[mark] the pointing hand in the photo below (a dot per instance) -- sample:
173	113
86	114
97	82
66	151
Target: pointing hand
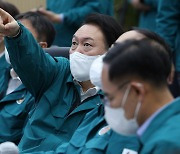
8	25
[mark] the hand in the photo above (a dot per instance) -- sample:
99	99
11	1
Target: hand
139	5
8	25
55	18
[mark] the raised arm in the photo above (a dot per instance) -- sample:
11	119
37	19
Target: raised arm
36	69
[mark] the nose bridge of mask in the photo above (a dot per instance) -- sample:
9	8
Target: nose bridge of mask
79	55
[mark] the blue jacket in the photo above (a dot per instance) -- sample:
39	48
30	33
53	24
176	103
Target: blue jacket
4	76
49	80
163	133
74	13
14	109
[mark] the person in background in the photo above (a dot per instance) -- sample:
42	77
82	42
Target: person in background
147	13
61	87
138	100
4	66
15	107
167	21
41	28
68	16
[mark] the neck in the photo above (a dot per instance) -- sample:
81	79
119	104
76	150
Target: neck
86	85
154	101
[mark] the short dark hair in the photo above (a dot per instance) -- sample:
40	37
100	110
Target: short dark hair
41	24
10	8
110	28
145	59
154	36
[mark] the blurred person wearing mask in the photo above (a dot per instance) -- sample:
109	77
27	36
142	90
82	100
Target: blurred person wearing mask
68	16
62	89
18	102
4	66
138	100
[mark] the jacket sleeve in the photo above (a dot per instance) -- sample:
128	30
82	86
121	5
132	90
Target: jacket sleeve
35	68
75	16
167	20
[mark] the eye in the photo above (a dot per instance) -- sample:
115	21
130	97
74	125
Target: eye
87	45
74	45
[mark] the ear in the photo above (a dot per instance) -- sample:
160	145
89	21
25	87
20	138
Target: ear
139	89
43	44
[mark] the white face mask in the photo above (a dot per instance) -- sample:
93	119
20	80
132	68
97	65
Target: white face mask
80	65
7	56
115	117
96	71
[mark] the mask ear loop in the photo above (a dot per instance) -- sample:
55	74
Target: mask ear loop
125	95
138	105
137	110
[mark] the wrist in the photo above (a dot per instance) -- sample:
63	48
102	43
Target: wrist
17	34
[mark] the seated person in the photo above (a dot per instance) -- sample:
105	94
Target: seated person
62	89
134	78
94	135
16	105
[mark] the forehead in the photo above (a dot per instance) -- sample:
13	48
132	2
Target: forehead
89	31
130	35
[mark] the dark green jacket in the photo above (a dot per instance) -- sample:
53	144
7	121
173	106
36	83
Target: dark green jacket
163	133
147	19
49	80
74	12
87	138
168	26
4	76
14	109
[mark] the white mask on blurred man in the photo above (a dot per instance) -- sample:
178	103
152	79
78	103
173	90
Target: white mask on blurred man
96	71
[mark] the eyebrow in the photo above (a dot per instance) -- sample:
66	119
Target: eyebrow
85	38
